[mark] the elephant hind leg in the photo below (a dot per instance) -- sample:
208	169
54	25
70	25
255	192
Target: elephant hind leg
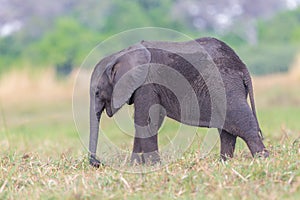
244	125
227	144
255	144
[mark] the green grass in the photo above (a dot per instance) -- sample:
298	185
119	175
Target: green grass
276	121
41	157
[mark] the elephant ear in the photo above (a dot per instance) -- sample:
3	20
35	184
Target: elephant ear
127	72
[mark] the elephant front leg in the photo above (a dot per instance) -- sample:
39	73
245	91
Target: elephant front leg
148	117
145	150
227	144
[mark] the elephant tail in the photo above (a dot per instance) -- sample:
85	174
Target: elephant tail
249	89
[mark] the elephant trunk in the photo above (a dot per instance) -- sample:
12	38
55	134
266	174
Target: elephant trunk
95	115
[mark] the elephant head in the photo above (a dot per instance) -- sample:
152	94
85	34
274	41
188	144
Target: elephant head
113	82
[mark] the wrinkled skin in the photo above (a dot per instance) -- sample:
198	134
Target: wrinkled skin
239	118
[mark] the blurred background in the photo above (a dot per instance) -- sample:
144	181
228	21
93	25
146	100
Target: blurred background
61	33
43	43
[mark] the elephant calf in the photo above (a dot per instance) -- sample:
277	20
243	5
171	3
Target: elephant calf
200	83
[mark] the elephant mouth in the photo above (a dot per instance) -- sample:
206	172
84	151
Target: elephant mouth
108	110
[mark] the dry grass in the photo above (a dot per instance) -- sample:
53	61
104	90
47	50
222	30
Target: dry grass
41	156
29	86
279	89
295	69
33	176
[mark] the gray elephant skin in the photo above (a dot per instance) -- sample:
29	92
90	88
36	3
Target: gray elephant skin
211	91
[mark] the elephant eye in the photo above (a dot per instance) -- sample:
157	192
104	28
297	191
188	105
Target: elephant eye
97	94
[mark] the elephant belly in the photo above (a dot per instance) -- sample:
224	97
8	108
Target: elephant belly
190	110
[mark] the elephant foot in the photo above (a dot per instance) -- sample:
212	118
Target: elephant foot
150	158
137	159
262	154
257	148
94	162
225	157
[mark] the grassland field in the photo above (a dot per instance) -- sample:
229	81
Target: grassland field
41	156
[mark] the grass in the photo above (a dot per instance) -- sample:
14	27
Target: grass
41	157
31	175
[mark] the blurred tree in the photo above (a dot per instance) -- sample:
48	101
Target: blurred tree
140	13
10	52
282	28
61	33
34	16
92	13
296	34
238	16
66	44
